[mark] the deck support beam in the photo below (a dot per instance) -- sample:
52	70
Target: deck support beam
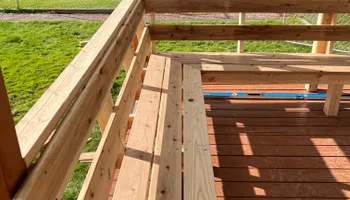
240	44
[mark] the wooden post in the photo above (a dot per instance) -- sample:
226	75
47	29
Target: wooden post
105	112
12	166
153	43
332	103
240	46
322	46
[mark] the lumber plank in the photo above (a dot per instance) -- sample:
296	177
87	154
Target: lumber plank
258	58
227	78
282	162
153	22
290	190
130	53
42	118
240	43
279	140
87	157
282	6
70	138
112	145
105	112
324	47
4	190
273	150
198	170
331	106
250	32
166	178
134	173
282	175
11	162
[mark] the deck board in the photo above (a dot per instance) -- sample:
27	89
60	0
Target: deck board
278	149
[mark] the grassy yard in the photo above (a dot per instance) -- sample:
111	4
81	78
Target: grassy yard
11	4
33	54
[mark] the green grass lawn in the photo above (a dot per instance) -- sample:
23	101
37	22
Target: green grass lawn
11	4
33	54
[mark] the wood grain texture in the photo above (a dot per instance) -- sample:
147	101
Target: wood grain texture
58	161
265	77
198	171
258	58
112	142
4	190
12	166
250	32
134	174
240	44
282	6
334	94
43	117
105	112
166	179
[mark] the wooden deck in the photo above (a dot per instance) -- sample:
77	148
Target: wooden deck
278	149
259	148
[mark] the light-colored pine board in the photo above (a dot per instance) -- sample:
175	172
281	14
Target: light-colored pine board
112	145
251	68
332	103
258	58
135	170
282	6
166	179
240	44
11	162
130	53
250	32
153	22
87	157
58	161
198	170
43	117
105	112
323	47
269	77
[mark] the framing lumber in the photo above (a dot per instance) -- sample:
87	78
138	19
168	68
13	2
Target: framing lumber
134	173
282	6
226	78
130	53
68	142
250	32
105	112
240	44
87	157
324	47
12	166
198	169
153	22
332	103
259	58
42	118
166	179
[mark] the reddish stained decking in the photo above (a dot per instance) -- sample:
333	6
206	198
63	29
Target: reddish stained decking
278	149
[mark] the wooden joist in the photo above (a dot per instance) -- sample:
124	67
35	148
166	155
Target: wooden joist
281	6
57	162
112	142
166	179
105	112
240	43
134	173
43	117
12	166
198	169
87	157
334	93
250	32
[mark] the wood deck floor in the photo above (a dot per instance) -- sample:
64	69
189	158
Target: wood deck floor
277	149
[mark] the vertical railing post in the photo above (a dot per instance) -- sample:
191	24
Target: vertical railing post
153	43
240	45
12	166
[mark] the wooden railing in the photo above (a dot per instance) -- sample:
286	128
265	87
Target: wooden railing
65	115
